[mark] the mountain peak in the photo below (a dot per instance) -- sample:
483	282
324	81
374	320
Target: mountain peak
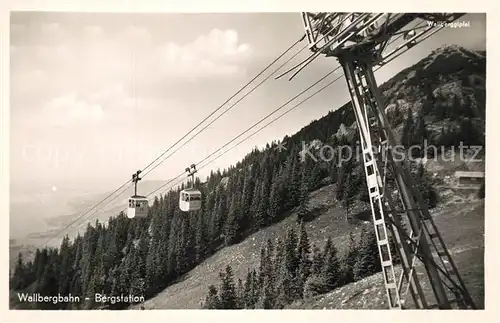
450	50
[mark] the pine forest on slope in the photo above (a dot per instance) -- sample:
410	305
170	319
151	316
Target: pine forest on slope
441	100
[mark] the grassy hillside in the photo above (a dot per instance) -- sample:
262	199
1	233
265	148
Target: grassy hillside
466	245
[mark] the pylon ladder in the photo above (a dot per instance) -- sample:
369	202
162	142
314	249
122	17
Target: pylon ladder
413	205
378	198
373	181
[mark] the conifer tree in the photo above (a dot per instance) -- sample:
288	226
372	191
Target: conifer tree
368	259
275	198
65	270
303	252
18	280
318	260
279	259
262	265
248	291
286	289
303	196
268	265
245	216
227	291
406	139
48	286
267	298
349	260
327	276
231	227
201	238
212	300
258	220
331	269
262	214
256	288
293	180
240	295
349	193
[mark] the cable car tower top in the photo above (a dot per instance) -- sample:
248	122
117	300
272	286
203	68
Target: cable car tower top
360	41
365	36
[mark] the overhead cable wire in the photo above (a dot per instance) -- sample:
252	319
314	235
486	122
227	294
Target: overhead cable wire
183	137
178	176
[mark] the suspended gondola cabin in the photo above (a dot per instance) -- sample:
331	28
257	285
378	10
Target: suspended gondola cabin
137	204
190	200
137	207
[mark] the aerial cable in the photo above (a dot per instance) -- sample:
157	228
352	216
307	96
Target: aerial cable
230	98
235	103
276	119
224	145
187	134
249	129
251	135
272	121
245	139
206	118
258	122
229	108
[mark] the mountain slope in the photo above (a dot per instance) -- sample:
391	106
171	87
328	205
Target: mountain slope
448	74
263	196
466	245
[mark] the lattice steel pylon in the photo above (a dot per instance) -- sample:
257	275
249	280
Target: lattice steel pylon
360	42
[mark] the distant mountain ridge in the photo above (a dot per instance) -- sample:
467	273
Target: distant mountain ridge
80	204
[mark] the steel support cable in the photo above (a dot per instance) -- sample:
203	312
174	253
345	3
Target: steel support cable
216	119
258	122
187	134
206	118
225	102
248	137
286	103
229	108
253	126
239	100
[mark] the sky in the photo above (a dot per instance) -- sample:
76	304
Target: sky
96	96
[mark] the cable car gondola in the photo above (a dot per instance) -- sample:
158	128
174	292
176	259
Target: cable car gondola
137	204
190	198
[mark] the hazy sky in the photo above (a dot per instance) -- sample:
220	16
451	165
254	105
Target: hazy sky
83	112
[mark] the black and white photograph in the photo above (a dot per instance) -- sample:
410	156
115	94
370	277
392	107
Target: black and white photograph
247	160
